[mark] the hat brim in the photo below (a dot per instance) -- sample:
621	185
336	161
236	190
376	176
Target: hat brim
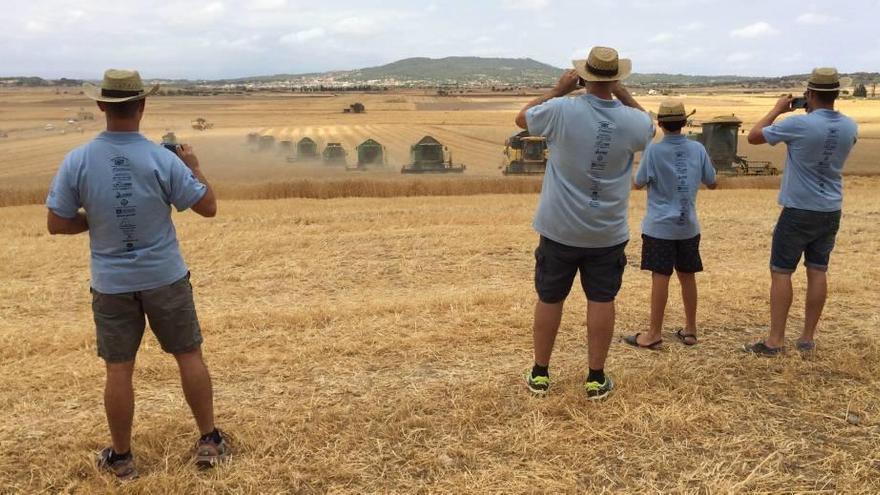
843	82
624	69
94	93
678	117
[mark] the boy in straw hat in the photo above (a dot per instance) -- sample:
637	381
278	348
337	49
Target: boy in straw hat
126	185
811	196
672	170
582	214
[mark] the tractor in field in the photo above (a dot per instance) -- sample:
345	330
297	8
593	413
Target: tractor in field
525	155
253	138
201	124
355	108
720	136
306	149
428	156
334	154
369	154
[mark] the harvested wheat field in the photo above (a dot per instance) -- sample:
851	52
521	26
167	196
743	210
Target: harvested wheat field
375	341
473	127
377	345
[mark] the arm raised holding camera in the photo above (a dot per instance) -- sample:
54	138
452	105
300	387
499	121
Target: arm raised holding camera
783	105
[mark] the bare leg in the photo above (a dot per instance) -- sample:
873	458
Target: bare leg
659	295
119	404
817	291
547	320
600	329
689	298
780	303
196	383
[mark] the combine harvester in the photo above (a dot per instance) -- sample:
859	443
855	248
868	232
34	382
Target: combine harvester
201	124
720	136
369	154
428	156
525	155
306	150
334	154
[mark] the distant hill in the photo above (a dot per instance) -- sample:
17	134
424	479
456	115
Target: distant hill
463	71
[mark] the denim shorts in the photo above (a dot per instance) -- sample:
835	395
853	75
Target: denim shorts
120	320
803	232
556	266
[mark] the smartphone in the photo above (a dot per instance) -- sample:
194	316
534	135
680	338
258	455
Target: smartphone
171	147
581	82
797	103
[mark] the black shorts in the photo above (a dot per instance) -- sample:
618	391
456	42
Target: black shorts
803	232
557	264
120	320
662	255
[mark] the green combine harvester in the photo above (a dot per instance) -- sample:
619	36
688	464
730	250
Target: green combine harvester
370	154
428	156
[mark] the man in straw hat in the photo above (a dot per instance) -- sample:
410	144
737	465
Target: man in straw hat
672	170
811	197
582	215
126	185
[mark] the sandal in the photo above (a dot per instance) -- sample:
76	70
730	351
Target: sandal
683	337
761	349
633	340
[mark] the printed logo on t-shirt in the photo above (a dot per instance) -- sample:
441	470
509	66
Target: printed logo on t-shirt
125	211
603	142
828	149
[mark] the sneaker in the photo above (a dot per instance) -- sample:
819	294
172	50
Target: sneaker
598	391
538	385
210	453
123	469
761	349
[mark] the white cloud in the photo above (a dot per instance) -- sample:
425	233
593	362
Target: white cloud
34	26
303	36
482	40
359	26
213	8
526	4
662	37
813	18
758	29
739	57
693	26
266	4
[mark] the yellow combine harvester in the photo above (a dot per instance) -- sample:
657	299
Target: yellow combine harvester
525	155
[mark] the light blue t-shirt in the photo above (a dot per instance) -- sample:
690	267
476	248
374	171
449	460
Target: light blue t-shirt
585	195
673	170
127	184
818	145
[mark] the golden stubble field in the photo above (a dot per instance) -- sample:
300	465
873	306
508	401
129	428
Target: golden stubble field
473	127
377	345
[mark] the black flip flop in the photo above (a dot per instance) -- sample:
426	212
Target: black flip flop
633	340
683	337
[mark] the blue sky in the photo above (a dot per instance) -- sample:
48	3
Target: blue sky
230	38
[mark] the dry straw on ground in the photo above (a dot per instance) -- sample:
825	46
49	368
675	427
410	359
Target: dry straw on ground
377	346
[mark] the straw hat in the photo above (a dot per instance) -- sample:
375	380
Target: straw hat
672	111
824	79
119	86
603	65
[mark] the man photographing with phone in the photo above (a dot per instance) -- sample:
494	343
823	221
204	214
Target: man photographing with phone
126	186
811	196
582	214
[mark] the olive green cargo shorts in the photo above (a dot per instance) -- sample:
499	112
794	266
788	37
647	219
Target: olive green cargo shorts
120	320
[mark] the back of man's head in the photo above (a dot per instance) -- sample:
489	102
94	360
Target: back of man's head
124	110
